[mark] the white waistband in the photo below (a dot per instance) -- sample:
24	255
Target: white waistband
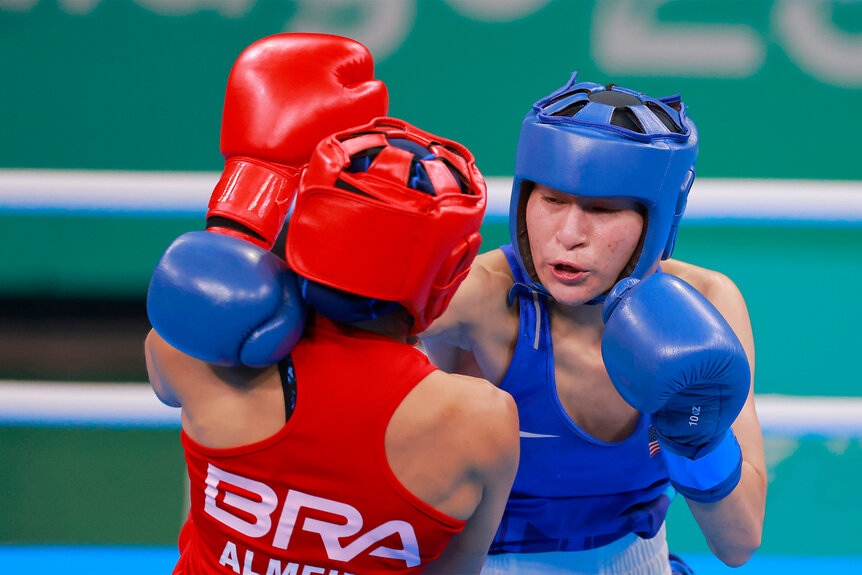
631	555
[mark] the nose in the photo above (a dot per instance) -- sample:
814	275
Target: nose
573	230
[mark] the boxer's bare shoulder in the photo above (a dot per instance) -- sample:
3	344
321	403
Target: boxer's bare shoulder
453	442
722	292
710	283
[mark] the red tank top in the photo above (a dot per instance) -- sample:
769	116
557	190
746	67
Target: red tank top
318	497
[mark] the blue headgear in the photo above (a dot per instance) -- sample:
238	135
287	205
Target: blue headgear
606	141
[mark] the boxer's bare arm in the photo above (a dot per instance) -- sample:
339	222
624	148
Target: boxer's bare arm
446	341
453	442
732	526
469	307
452	359
221	407
477	322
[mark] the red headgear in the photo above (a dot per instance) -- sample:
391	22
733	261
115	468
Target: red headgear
376	219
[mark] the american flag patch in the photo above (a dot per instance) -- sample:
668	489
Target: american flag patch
652	437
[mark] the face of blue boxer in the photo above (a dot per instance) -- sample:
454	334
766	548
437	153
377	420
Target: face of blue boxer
598	141
580	245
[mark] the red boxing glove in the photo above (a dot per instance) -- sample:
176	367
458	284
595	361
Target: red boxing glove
285	94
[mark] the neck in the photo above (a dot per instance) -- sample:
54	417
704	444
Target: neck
581	316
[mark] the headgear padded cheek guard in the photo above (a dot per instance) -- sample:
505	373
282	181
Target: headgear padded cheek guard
606	141
390	213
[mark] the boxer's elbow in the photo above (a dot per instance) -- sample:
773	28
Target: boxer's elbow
734	526
160	388
738	557
165	395
735	553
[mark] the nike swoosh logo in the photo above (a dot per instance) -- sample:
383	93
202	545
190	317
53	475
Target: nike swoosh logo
528	434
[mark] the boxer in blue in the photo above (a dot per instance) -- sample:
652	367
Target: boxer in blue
632	379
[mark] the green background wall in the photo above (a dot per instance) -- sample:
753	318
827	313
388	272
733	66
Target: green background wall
123	84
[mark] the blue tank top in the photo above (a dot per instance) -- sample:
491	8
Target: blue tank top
572	491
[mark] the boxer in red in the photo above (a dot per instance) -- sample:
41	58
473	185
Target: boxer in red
318	440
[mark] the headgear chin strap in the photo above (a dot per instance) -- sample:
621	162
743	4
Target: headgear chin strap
390	213
606	141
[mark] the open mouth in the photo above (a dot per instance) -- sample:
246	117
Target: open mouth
568	273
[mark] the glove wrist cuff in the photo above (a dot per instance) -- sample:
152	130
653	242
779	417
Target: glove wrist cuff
710	477
255	194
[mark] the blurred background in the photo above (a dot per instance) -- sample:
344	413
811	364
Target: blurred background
110	113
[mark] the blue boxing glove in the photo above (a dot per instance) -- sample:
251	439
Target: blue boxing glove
225	301
670	353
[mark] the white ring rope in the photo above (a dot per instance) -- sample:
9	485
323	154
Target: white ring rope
42	404
110	191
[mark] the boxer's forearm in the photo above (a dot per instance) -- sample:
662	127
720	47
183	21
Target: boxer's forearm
733	526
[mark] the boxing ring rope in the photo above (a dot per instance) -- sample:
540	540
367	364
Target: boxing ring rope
134	405
161	194
158	193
